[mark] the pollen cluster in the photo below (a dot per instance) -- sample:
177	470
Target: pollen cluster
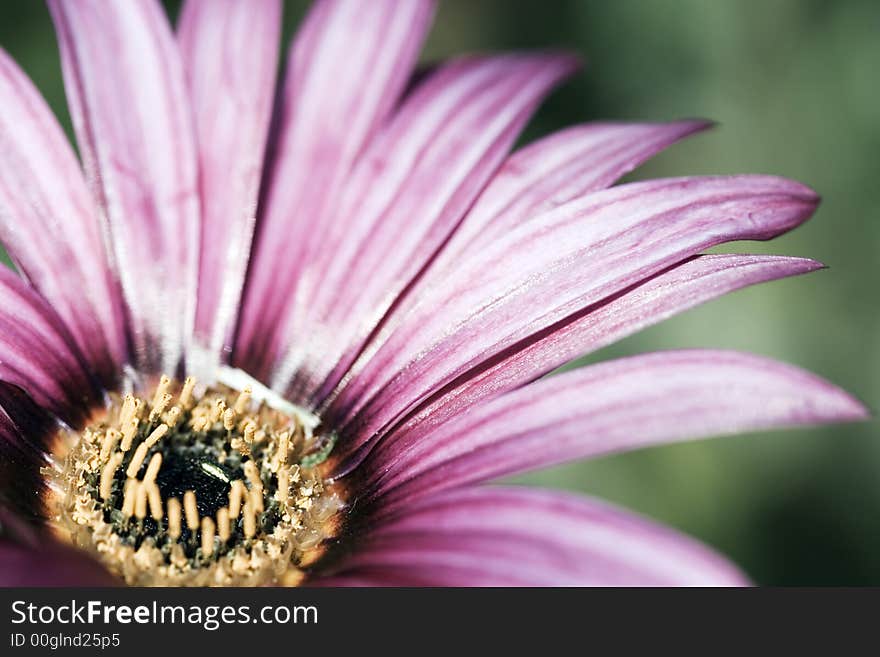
188	487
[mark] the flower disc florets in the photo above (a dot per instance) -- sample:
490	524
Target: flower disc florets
190	487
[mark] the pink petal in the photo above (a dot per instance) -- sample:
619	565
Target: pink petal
49	225
38	353
362	580
406	196
543	175
558	169
230	52
552	267
346	70
25	432
50	565
31	557
22	421
650	302
619	405
537	178
126	92
522	537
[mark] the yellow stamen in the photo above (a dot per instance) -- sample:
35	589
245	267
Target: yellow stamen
235	494
174	518
178	556
256	500
128	434
244	399
107	475
153	468
186	393
128	497
127	411
207	536
240	446
156	435
108	445
161	391
217	410
283	446
250	471
250	520
283	485
249	430
223	523
160	407
172	417
229	419
140	501
137	460
155	499
191	510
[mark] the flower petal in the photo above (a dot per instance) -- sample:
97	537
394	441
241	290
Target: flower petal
406	195
521	537
49	566
346	70
23	418
126	92
552	267
25	429
557	169
614	406
30	557
49	224
541	176
662	296
39	354
230	52
363	580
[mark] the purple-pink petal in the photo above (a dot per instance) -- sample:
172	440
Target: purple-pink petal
25	432
618	405
345	73
31	557
24	422
49	566
662	296
49	223
363	579
543	175
38	353
406	195
130	110
230	53
521	537
557	169
550	268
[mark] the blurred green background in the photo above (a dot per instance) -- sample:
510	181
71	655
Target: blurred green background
793	85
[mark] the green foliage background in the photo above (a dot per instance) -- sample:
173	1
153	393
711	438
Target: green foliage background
793	84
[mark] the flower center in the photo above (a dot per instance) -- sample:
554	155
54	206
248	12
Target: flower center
190	487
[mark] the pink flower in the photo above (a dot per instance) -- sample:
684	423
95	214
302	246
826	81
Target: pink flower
367	289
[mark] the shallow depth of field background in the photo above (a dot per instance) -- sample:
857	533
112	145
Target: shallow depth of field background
793	85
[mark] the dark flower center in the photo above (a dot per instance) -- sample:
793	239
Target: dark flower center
201	487
201	471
